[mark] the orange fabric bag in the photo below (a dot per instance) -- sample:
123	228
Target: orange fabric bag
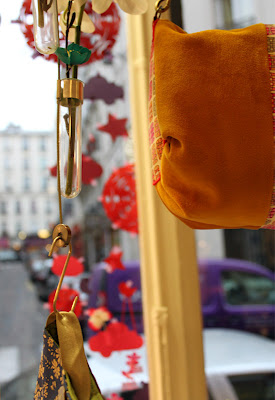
211	125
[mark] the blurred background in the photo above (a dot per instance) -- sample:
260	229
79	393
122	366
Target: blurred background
236	266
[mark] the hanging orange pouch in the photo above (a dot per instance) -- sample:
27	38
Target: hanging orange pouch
211	124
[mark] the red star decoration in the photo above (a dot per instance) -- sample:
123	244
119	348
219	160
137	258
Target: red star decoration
115	127
114	259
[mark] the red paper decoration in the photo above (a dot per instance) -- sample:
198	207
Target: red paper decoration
100	42
91	170
119	199
75	267
116	337
133	366
65	301
113	261
115	127
127	289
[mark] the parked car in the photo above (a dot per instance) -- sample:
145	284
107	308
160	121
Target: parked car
235	294
9	255
239	365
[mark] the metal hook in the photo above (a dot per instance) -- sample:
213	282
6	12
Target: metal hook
61	238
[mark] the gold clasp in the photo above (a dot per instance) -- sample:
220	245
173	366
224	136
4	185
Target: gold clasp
161	8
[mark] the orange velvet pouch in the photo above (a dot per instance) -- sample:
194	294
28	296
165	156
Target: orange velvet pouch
211	125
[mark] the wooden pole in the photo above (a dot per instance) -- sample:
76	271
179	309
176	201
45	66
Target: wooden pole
170	283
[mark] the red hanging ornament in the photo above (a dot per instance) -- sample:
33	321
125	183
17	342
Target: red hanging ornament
119	199
75	267
91	170
127	290
116	337
65	301
100	42
115	127
113	261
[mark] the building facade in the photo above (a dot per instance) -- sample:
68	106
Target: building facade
28	201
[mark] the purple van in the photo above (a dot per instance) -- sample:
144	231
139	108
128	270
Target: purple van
234	293
237	294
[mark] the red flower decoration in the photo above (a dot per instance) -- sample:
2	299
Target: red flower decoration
114	259
115	127
65	300
119	199
127	289
75	267
91	170
103	38
117	336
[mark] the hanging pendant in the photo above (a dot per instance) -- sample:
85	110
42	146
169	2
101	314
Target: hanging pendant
70	136
45	26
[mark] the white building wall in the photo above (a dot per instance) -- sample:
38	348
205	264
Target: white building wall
18	166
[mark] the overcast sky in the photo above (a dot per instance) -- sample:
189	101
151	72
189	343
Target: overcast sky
27	86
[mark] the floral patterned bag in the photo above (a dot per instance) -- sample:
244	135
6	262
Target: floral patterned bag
64	373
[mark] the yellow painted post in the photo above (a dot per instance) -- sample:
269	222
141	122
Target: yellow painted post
170	284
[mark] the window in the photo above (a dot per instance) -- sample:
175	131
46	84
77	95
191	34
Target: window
3	207
33	207
4	227
42	144
44	183
243	288
26	183
254	387
7	163
17	207
48	206
26	164
25	143
18	227
43	163
7	143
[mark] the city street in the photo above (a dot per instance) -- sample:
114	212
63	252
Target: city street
22	320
